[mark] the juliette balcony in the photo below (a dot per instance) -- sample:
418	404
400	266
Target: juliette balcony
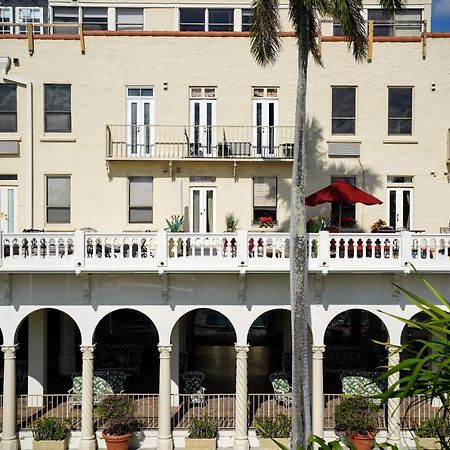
220	252
129	142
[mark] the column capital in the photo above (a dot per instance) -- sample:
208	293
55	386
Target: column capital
88	351
317	351
241	350
10	351
164	350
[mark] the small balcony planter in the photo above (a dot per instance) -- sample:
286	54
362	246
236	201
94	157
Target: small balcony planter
50	433
427	443
202	434
272	429
269	444
428	431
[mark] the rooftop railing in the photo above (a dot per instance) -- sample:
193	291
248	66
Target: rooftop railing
257	251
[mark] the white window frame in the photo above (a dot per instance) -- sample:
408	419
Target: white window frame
412	111
3	28
69	207
151	200
23	29
236	26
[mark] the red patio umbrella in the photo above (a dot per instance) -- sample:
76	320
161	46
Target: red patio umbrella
343	193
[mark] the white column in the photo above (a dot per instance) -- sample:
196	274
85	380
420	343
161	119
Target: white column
67	358
9	437
165	440
241	433
37	357
317	389
394	417
88	440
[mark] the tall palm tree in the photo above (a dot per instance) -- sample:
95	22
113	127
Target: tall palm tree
305	17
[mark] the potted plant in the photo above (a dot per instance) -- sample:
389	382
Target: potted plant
231	222
50	433
428	432
175	223
116	414
266	222
202	434
380	225
356	418
271	429
316	224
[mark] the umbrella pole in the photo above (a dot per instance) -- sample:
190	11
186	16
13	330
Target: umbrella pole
340	216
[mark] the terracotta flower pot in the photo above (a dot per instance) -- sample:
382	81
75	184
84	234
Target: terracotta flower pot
362	441
117	442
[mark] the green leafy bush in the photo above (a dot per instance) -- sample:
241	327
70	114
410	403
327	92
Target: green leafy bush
317	224
175	223
116	414
50	429
273	427
433	428
204	428
356	415
231	222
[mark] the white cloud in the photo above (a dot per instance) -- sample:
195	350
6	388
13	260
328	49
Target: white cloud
441	7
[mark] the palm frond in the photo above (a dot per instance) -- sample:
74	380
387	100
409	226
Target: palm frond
392	5
265	40
349	14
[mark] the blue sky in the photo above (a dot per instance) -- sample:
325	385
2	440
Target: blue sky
440	20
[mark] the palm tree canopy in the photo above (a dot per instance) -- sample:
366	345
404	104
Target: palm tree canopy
266	25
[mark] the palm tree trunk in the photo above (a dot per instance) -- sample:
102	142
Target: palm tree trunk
301	399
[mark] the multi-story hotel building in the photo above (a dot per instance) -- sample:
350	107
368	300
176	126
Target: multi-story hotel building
114	116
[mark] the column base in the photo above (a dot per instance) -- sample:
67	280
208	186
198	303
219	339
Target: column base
164	443
241	444
88	444
9	444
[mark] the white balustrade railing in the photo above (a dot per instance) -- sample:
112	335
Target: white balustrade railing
254	251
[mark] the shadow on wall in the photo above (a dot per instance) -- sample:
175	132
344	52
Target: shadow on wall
320	168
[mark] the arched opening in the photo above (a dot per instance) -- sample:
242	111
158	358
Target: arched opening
350	347
270	351
205	340
411	333
126	351
48	354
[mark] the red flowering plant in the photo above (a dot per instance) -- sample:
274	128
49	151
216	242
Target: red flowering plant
116	414
348	222
266	222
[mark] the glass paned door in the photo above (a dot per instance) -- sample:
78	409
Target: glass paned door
8	209
400	208
203	210
265	122
140	122
202	136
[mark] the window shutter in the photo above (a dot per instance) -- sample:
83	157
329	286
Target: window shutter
141	191
265	192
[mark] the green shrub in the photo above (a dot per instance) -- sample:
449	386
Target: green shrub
433	428
204	428
116	414
273	427
50	429
356	415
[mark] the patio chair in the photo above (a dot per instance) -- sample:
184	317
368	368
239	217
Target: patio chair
193	385
361	383
281	388
100	388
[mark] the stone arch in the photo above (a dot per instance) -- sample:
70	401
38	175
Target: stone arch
270	348
48	353
350	346
203	340
410	333
127	342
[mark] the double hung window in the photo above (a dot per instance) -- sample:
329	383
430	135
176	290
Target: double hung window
57	106
343	115
264	198
8	108
400	110
206	19
129	19
58	199
140	200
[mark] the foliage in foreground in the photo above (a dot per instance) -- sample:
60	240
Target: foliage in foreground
273	427
203	428
427	372
50	429
356	415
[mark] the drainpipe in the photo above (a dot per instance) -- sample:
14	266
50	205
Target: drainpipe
5	64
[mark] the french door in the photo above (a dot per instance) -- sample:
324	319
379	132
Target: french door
140	122
265	121
8	209
400	208
202	210
202	135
